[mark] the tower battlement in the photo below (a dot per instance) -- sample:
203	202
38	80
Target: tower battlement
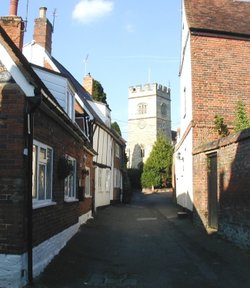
149	87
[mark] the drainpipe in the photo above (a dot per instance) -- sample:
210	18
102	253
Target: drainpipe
32	105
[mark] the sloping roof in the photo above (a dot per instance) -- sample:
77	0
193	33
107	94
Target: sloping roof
228	16
22	63
28	72
85	97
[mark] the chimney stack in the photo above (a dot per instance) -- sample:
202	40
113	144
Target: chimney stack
13	25
42	12
13	7
43	30
88	83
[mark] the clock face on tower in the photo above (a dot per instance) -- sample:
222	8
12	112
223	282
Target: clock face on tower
141	124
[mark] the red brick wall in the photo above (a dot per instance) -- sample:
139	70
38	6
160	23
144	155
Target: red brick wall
220	77
49	221
12	169
233	154
43	33
14	27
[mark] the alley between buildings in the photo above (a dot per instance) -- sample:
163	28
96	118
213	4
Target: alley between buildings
145	245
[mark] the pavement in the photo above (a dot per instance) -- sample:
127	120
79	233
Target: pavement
145	245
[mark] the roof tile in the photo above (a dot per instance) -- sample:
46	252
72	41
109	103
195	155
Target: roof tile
230	16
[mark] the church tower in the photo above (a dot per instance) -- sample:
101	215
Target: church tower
149	113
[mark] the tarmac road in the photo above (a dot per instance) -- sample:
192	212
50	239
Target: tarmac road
145	245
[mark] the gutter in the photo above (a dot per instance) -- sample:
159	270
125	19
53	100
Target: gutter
219	34
32	104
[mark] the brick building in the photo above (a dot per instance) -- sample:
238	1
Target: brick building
108	177
49	125
214	76
46	163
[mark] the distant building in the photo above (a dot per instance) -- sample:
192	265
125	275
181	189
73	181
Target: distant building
149	113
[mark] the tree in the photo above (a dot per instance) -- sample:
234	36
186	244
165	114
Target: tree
116	127
157	168
98	93
242	121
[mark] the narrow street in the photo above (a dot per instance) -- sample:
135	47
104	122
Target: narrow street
145	245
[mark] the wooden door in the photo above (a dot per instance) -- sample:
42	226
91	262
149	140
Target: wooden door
212	192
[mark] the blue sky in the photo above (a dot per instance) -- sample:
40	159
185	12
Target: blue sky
125	42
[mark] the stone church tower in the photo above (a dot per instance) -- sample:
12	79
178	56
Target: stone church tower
149	113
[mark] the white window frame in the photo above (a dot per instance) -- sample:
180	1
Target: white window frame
87	183
70	183
36	170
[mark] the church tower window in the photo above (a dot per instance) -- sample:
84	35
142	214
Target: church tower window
142	108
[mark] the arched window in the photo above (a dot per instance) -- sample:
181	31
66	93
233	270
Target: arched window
163	109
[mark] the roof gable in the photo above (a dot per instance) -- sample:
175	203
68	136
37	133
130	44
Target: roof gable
229	16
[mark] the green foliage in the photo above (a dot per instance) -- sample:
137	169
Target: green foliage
157	168
98	92
242	121
116	127
220	127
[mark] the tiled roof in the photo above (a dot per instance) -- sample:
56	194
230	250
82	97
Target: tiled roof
229	16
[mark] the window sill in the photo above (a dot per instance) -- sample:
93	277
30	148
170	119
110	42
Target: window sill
42	204
71	200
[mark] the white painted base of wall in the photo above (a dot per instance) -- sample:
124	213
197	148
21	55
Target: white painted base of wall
13	268
84	218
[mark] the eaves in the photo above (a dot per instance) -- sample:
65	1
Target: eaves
219	34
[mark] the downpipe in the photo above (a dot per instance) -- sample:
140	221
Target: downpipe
31	107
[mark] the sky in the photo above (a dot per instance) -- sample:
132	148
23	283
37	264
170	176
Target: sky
121	43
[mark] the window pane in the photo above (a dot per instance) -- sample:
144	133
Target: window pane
49	174
42	154
69	183
71	186
66	187
87	184
107	180
41	189
34	172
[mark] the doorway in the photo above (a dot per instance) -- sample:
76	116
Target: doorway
212	191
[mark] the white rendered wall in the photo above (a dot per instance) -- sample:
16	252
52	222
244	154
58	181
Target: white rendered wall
185	79
37	55
183	153
184	173
13	268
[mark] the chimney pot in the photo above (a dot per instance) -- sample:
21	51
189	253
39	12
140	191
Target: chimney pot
42	12
13	7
